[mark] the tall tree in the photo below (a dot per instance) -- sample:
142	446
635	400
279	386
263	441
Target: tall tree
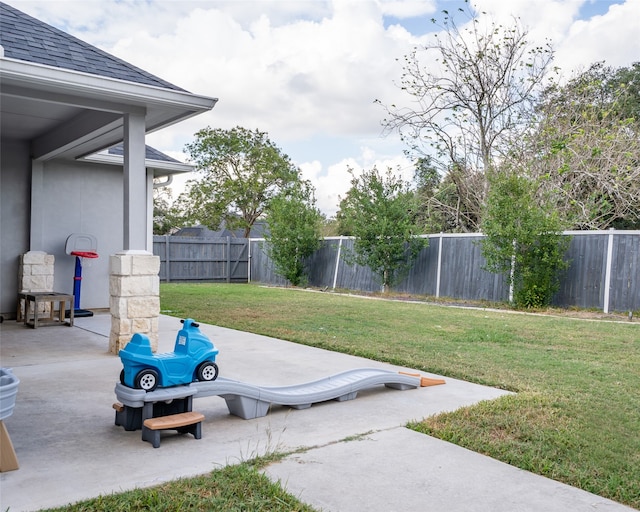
585	150
380	212
242	171
468	108
294	225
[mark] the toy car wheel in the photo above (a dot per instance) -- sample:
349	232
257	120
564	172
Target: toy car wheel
147	380
208	371
122	377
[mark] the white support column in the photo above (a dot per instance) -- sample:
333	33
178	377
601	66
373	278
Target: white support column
135	183
134	285
149	210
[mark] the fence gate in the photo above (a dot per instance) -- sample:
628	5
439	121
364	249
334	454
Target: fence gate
224	259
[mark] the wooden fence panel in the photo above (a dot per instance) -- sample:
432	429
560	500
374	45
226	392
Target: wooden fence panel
423	275
582	284
625	272
322	264
463	274
604	270
261	267
202	259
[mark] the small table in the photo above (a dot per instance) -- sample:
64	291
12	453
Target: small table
37	298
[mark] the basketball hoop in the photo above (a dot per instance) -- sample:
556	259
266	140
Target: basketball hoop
85	254
82	246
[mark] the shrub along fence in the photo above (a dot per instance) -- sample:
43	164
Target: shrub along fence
604	270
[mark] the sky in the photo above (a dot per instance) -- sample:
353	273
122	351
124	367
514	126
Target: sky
308	72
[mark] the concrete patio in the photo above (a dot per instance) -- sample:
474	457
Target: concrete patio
359	455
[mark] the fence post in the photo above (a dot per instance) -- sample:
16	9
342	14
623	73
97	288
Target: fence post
249	260
335	273
607	272
167	266
228	259
439	267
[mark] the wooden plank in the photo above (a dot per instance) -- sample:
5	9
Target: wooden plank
174	420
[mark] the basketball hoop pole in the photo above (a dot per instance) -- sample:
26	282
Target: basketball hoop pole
77	282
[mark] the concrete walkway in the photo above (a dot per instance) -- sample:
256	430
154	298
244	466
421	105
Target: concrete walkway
358	455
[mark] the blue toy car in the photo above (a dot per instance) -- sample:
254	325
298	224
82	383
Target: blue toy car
193	358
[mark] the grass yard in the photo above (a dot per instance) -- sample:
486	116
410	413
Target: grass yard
576	417
233	488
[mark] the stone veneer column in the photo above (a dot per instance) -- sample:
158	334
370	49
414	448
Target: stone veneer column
36	275
134	289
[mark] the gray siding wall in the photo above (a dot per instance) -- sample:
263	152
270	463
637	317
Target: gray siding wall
42	203
15	208
79	197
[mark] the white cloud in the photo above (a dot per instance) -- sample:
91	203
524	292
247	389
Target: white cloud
308	71
403	9
332	184
612	37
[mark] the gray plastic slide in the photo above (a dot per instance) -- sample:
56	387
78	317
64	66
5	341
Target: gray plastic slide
249	401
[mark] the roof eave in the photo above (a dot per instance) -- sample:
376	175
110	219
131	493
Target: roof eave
159	167
70	82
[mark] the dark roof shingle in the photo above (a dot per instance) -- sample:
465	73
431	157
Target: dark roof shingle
150	154
26	38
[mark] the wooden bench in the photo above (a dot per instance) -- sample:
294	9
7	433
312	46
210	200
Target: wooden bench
184	422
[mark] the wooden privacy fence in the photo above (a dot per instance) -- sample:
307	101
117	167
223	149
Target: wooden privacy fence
223	259
604	271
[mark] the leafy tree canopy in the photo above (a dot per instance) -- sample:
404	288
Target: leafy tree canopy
585	150
294	231
379	211
166	218
242	171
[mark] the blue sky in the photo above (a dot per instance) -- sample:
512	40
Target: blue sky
307	72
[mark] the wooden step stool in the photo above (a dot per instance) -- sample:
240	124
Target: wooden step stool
184	422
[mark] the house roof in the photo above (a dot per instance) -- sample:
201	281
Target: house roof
69	99
28	39
258	230
150	154
162	165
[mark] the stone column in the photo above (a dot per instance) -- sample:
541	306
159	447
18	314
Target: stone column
36	275
134	289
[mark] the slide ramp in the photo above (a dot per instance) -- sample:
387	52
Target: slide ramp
249	401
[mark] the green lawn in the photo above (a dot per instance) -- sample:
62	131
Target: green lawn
576	415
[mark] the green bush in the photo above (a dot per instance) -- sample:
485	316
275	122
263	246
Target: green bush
523	240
